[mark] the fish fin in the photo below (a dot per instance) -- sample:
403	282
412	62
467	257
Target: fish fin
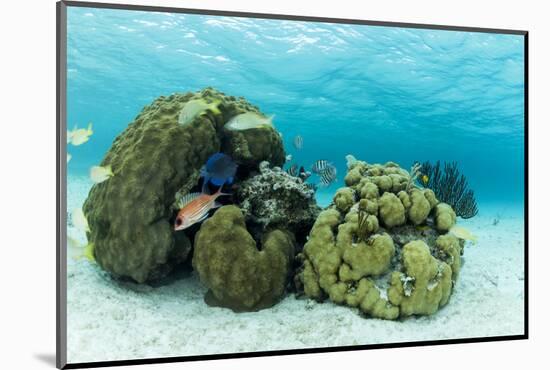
90	131
214	108
219	192
205	181
186	199
270	119
89	252
217	205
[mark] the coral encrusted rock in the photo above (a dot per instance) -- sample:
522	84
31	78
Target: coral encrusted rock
275	199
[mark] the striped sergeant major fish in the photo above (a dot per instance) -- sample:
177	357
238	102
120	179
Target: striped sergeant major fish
293	170
320	166
298	142
328	176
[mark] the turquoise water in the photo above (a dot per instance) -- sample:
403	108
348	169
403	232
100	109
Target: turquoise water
379	93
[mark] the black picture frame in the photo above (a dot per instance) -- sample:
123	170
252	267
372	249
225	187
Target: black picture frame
61	188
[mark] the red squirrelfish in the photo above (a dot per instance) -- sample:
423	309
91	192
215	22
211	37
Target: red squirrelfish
194	207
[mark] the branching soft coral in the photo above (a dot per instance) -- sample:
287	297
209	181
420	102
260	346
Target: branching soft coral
451	187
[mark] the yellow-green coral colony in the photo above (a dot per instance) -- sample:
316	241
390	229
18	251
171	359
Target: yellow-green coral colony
384	246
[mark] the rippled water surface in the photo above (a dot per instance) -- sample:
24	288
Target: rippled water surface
379	93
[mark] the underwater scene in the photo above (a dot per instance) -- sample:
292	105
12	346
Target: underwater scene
243	184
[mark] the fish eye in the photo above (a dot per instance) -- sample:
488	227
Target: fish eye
178	222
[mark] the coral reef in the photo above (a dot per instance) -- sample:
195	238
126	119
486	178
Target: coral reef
275	199
157	160
382	246
451	187
240	276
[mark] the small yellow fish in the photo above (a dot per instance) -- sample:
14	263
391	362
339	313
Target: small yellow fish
77	250
249	120
74	247
69	157
79	220
194	108
89	252
99	174
424	179
79	136
463	233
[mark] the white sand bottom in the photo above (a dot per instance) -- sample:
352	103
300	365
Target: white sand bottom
110	320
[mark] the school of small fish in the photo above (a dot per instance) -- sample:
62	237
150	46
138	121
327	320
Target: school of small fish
324	169
79	136
75	249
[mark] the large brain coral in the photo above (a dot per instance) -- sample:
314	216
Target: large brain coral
228	262
158	156
382	246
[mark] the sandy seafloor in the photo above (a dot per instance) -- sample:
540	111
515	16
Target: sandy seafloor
110	320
